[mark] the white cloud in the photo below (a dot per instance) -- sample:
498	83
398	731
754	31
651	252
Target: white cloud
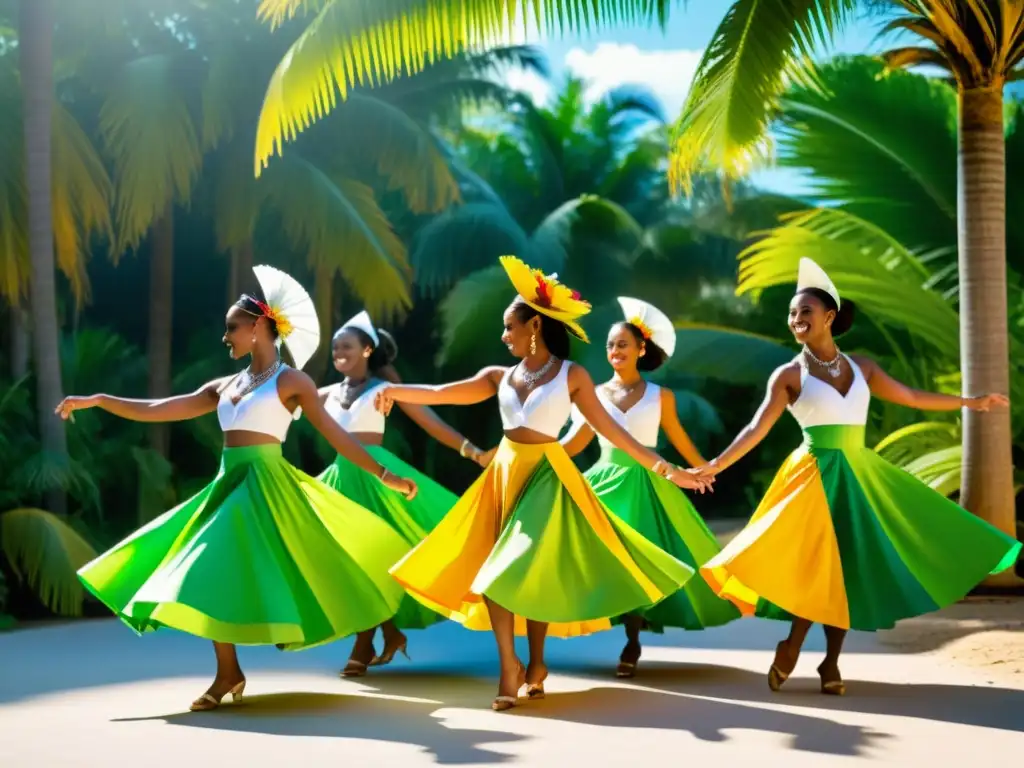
667	73
530	83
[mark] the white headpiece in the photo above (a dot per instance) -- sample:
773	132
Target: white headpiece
363	322
651	321
812	276
292	311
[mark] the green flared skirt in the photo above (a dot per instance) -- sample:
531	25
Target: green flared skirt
845	539
661	513
531	536
412	520
263	555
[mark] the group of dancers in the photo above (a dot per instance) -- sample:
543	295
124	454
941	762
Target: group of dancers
267	555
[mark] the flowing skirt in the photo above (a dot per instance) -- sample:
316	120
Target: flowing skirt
412	520
531	536
263	555
662	514
844	538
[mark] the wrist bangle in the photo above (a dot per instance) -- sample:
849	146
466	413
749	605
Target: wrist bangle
462	448
383	473
656	469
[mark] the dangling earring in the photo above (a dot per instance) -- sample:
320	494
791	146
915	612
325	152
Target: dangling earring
533	344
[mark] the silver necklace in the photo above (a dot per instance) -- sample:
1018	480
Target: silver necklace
252	382
614	386
530	378
831	366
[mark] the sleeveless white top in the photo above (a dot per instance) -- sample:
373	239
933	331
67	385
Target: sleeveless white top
546	408
361	416
821	404
258	411
642	420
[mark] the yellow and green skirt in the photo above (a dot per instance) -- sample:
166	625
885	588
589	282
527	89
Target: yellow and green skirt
263	555
531	536
662	514
845	539
412	520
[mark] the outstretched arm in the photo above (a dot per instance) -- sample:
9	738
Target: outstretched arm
782	382
178	408
296	384
885	387
583	395
434	425
675	432
466	392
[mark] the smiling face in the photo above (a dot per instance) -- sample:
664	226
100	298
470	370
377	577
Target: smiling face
518	335
623	349
809	318
239	329
349	354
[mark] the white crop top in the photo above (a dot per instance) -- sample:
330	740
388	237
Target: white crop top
546	408
360	416
642	420
820	403
258	411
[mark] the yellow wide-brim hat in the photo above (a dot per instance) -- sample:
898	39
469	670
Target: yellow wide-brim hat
546	295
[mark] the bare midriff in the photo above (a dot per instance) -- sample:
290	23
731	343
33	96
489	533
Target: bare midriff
527	436
240	438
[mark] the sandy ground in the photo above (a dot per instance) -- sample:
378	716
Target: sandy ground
91	693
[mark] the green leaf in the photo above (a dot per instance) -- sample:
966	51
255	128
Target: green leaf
726	354
46	552
347	44
725	121
471	317
870	268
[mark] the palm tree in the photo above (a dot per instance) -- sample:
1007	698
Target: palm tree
757	49
36	46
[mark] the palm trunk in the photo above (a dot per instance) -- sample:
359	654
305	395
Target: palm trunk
987	483
36	50
161	320
19	342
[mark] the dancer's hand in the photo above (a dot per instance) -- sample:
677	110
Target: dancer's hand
986	402
690	480
68	406
403	485
709	470
483	458
383	401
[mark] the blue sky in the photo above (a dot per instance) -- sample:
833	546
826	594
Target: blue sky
663	61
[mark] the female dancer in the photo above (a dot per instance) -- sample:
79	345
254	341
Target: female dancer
643	499
265	554
842	537
364	354
529	537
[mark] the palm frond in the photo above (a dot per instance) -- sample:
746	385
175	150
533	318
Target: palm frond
596	217
46	552
463	240
467	331
81	199
338	222
150	137
884	279
726	354
725	121
880	144
347	44
931	451
380	137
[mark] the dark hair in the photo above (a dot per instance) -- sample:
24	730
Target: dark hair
382	355
553	332
247	303
844	314
654	356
